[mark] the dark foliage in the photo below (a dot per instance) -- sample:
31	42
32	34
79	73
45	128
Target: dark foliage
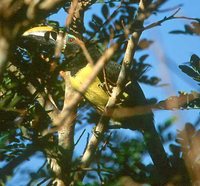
34	66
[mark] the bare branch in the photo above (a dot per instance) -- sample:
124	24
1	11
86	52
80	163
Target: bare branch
66	134
71	12
76	17
171	8
158	23
80	137
85	51
172	103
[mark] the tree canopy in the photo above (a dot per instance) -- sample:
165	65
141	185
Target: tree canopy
51	125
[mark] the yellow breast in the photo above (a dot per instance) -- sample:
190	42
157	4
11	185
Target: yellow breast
95	94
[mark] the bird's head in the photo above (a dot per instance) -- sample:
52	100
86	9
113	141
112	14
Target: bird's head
45	38
48	36
71	47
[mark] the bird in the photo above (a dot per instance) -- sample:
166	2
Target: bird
98	92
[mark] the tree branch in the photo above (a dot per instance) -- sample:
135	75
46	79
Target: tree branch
75	20
183	101
66	134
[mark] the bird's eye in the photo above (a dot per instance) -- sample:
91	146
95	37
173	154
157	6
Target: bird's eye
71	39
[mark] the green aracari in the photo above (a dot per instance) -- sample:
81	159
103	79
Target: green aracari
98	95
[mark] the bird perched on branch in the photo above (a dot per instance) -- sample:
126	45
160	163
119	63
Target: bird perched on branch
99	91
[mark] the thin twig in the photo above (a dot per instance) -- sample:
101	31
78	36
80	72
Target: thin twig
158	23
79	137
187	18
93	169
87	141
106	142
171	8
99	172
72	10
85	51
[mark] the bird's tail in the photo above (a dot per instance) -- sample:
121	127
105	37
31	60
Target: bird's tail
156	150
145	124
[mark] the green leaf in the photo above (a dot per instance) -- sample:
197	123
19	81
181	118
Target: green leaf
97	20
195	62
105	11
189	71
177	32
53	23
193	28
143	58
3	139
93	26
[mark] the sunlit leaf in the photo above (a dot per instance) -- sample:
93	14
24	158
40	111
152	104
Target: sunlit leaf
144	44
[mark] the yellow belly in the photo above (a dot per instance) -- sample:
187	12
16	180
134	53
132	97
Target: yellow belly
95	93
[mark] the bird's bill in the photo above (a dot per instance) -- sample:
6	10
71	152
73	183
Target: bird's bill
41	32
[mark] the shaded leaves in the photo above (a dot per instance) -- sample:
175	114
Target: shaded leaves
12	144
111	25
139	69
193	70
105	11
192	29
